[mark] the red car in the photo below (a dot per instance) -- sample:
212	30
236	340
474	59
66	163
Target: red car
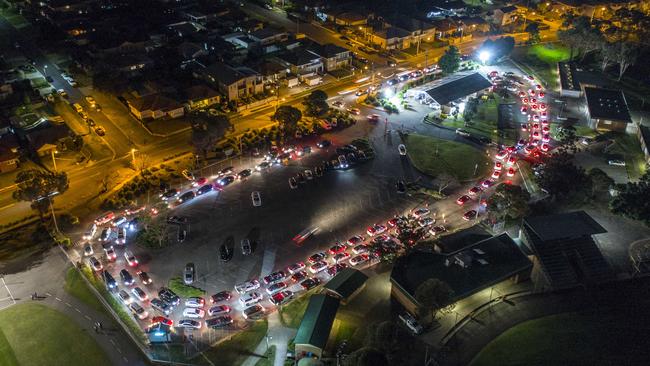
544	147
469	215
538	87
498	165
161	319
392	222
299	276
496	174
462	199
541	94
337	248
474	190
511	172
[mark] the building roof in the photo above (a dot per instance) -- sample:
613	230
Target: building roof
317	322
350	16
395	32
346	282
607	104
572	257
327	50
200	92
452	243
265	33
477	267
411	24
47	134
154	102
568	225
459	88
568	76
449	4
223	73
298	56
508	9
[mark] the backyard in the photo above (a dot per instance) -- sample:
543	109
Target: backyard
542	59
434	156
604	338
41	336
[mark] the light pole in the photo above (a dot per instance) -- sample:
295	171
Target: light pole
133	150
267	337
53	151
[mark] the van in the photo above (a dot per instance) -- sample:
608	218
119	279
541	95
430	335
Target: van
77	107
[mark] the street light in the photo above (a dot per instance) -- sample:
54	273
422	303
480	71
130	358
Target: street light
484	56
53	159
133	150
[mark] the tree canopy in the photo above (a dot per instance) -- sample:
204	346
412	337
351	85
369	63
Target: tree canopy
432	295
561	177
316	103
288	118
38	187
509	201
450	61
366	356
632	200
207	132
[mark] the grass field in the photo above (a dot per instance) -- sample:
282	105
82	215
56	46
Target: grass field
292	313
269	358
177	285
543	59
630	148
75	286
607	338
484	122
235	350
434	156
44	336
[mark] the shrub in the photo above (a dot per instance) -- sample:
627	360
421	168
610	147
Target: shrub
177	285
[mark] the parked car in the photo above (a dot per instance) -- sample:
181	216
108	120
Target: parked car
189	274
246	248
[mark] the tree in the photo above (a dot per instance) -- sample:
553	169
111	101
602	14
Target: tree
607	55
288	118
38	187
154	230
626	55
600	181
432	295
207	132
533	32
561	178
570	38
632	200
567	135
450	61
390	338
366	356
509	201
316	103
444	180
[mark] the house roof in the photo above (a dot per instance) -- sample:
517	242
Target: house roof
568	76
154	102
346	282
265	33
188	49
47	134
449	4
200	92
327	50
396	32
317	321
607	104
130	59
298	56
473	269
351	16
223	73
568	225
458	88
508	9
455	242
572	257
410	24
445	25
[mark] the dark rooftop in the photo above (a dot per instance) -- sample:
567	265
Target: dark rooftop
568	225
223	73
298	56
264	33
449	244
459	88
317	322
477	267
645	135
607	104
568	77
346	282
508	9
327	50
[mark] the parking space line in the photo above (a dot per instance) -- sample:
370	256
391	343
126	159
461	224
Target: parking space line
112	342
68	304
87	317
126	360
57	299
78	311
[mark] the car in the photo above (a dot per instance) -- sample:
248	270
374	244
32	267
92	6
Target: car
381	239
318	267
189	323
281	297
100	131
299	276
194	313
411	323
256	198
359	259
121	236
502	154
323	143
88	250
292	183
186	197
437	230
95	264
225	252
262	166
169	194
426	221
218	322
420	212
524	110
161	320
246	246
227	180
340	257
161	306
343	162
498	165
317	257
336	268
337	248
220	297
545	147
126	278
487	183
524	126
274	277
474	190
296	267
219	310
88	235
546	137
496	174
309	283
278	286
131	260
511	172
362	248
309	175
110	253
361	92
139	294
469	215
106	234
357	239
138	311
338	104
376	230
461	132
268	6
529	149
250	298
402	149
125	297
522	94
254	312
144	278
169	296
109	280
373	117
247	286
511	160
118	221
393	222
616	162
204	189
244	174
463	199
189	273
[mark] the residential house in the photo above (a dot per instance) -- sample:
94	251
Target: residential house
505	15
607	109
201	96
419	30
190	51
154	106
266	36
272	71
316	325
130	63
332	56
473	25
447	28
347	18
301	62
234	82
392	38
46	138
438	9
598	9
196	16
184	29
9	155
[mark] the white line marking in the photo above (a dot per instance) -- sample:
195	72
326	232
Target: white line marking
126	360
48	294
118	350
113	342
68	304
10	295
87	317
78	311
57	299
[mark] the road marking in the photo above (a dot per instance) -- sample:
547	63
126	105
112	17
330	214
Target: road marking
118	350
126	360
13	186
57	299
48	294
8	291
78	311
68	304
7	206
113	342
87	317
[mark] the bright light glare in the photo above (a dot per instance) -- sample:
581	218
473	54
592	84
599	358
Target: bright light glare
388	93
483	56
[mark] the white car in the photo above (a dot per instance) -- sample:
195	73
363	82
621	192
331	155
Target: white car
318	267
88	250
130	258
247	286
219	310
296	267
194	302
250	299
358	259
616	162
189	323
402	149
420	212
427	221
257	199
362	248
194	313
139	294
90	233
309	175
